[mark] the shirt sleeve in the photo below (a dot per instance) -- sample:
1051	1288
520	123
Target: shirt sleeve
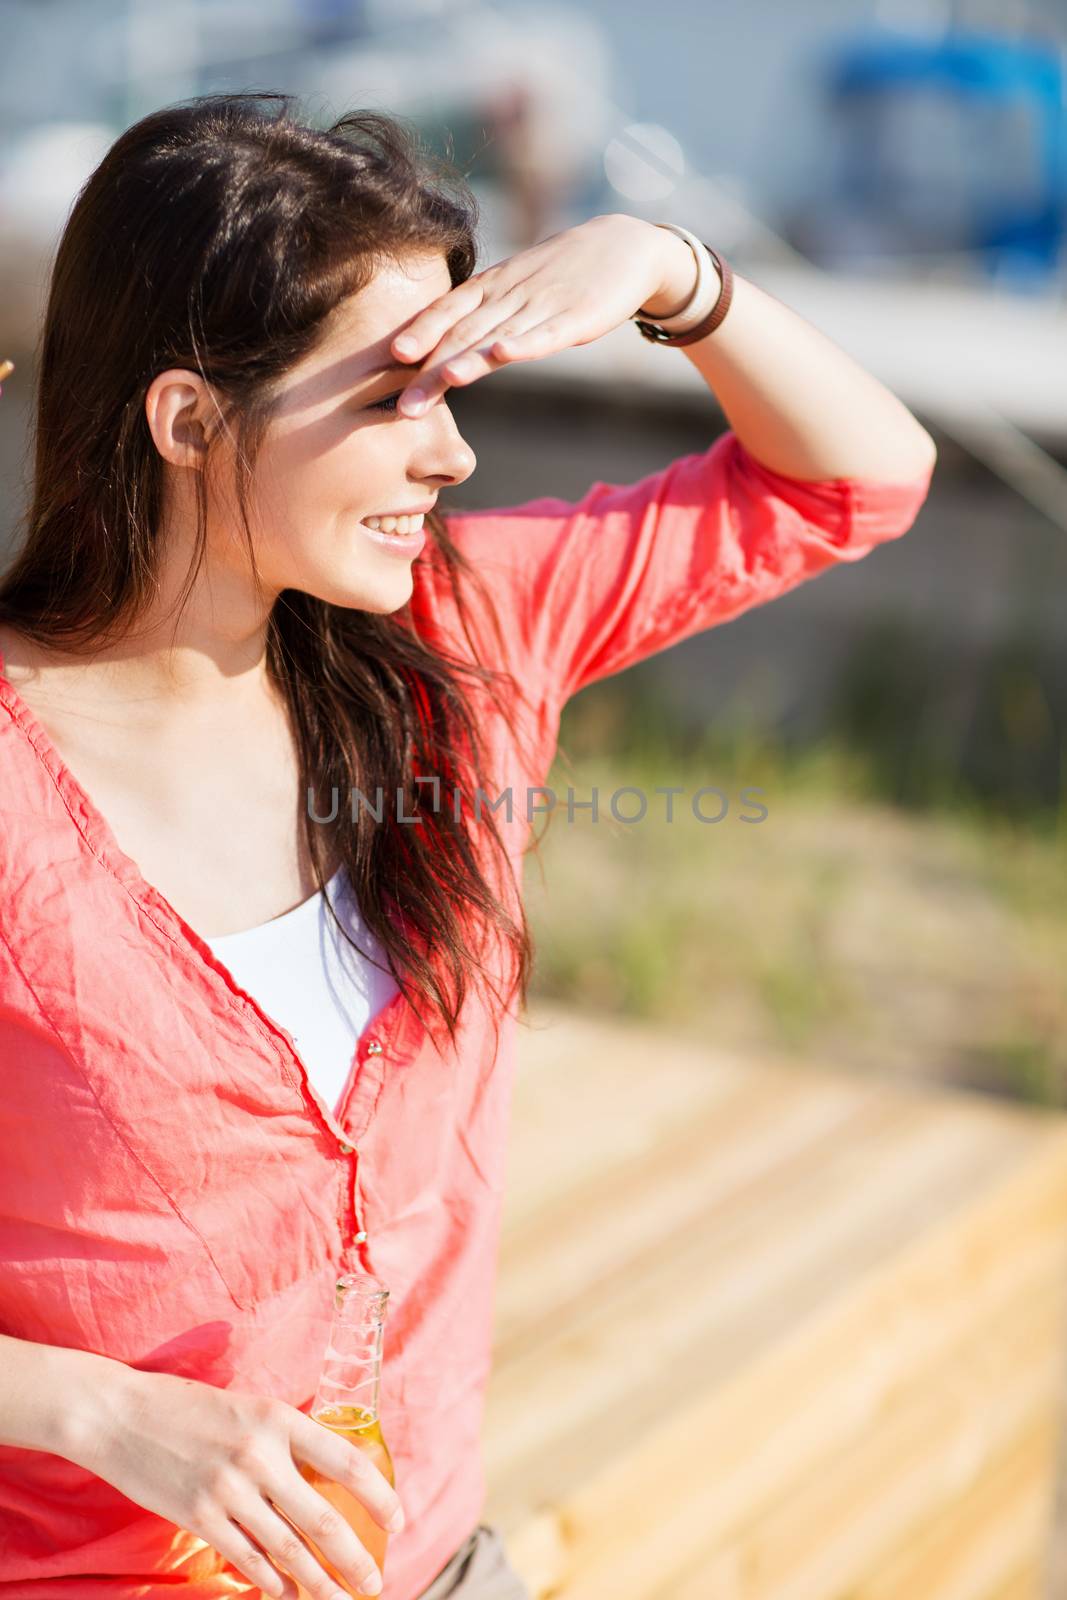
586	588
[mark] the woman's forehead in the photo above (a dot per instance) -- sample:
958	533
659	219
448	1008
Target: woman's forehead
397	292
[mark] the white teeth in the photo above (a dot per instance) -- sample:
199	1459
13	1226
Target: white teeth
396	524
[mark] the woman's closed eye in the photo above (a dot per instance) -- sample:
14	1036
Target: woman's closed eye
388	404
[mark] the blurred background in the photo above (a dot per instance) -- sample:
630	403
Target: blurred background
896	170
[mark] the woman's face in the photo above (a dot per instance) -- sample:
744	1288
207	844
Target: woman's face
334	454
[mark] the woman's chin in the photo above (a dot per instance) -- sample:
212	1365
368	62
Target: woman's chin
381	593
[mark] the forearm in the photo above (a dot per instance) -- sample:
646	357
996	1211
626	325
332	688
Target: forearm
795	400
58	1400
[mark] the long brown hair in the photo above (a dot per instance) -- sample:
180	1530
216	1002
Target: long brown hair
218	235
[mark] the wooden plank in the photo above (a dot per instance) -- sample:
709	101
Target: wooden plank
582	1108
784	1415
992	1560
983	1547
1027	1584
740	1279
824	1531
980	1549
782	1259
609	1218
920	1456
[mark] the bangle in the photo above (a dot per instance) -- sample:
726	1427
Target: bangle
703	314
705	291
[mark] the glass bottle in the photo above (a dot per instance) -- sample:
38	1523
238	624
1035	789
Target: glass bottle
347	1402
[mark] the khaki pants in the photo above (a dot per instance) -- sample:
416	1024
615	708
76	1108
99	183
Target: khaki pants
479	1570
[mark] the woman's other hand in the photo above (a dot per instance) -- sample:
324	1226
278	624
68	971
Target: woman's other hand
223	1465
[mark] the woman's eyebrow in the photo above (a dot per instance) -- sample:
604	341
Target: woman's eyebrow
338	379
390	366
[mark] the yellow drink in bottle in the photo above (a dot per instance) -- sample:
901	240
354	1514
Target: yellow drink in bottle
347	1402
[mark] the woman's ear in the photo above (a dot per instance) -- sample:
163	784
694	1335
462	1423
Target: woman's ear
181	413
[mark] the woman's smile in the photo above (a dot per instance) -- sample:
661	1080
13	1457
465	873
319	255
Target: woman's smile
405	537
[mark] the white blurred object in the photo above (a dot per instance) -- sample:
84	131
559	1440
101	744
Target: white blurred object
540	78
644	162
41	174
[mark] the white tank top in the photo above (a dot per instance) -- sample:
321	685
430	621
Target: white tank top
306	976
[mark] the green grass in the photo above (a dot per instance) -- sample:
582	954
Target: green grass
849	927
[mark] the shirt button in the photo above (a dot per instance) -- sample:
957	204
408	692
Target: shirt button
374	1047
345	1149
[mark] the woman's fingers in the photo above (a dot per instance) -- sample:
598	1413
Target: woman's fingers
508	343
433	321
534	339
282	1532
234	1545
345	1463
463	352
515	338
430	385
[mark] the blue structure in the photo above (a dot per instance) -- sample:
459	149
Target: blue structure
996	115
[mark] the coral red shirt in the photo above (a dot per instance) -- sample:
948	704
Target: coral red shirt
173	1191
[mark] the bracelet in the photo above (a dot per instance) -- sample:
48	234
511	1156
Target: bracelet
705	292
695	320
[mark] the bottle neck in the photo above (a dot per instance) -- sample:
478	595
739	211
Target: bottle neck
351	1369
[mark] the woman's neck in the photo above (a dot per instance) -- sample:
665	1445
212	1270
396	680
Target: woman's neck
187	686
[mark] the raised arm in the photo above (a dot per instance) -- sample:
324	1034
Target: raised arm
795	400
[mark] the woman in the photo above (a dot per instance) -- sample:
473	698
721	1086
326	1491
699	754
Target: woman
211	660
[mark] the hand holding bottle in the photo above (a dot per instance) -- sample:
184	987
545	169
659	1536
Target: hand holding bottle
226	1466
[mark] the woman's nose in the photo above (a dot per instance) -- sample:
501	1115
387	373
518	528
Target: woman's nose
450	457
